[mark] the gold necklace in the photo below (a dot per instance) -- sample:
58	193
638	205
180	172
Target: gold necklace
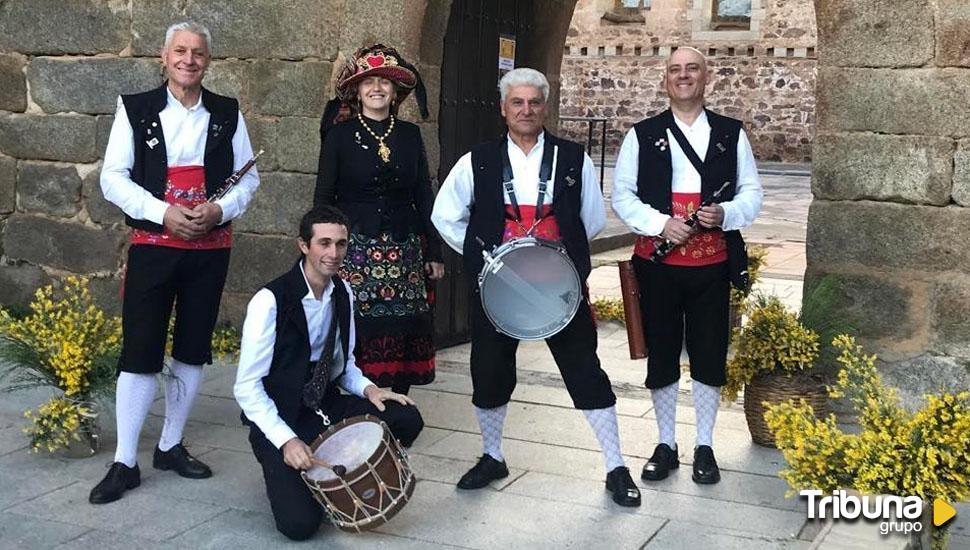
383	150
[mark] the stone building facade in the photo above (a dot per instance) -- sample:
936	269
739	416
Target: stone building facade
764	69
891	183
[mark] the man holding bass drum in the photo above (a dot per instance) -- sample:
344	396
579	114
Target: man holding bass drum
538	195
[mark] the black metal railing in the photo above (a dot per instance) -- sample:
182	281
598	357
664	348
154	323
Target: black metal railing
591	123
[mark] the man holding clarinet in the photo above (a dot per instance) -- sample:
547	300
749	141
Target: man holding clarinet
686	182
176	165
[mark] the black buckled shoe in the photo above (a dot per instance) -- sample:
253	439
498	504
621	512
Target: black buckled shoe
179	459
625	491
487	470
706	471
658	467
120	478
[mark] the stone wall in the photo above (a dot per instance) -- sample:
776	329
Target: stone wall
766	77
890	179
63	64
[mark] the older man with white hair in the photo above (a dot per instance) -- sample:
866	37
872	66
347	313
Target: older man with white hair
669	168
169	152
474	210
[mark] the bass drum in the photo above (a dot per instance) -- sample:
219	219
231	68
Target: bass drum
530	289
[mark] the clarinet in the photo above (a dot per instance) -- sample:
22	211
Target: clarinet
667	246
234	178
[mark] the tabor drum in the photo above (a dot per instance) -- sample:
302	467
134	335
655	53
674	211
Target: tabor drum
529	287
369	478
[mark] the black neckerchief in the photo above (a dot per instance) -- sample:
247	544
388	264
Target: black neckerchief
545	174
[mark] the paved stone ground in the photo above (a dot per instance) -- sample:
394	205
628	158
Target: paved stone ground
554	498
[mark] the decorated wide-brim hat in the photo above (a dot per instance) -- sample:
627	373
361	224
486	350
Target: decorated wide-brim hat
376	60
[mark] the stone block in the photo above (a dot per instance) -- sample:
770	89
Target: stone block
65	137
298	141
47	188
230	78
62	245
18	283
910	169
262	134
923	374
56	27
961	174
278	205
950	317
952	33
888	236
89	85
433	36
870	306
13	84
929	102
99	209
103	133
285	88
8	184
258	259
149	20
106	292
869	33
232	308
295	29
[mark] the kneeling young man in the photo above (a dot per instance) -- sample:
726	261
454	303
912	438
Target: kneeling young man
285	389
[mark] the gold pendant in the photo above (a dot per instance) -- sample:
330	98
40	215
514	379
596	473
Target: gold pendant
384	152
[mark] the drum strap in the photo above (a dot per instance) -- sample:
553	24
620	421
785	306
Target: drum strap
316	388
545	174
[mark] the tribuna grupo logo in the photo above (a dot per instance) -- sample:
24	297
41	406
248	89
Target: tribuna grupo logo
896	514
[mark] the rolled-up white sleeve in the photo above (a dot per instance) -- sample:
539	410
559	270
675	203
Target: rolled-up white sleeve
642	218
116	183
593	210
255	359
353	380
741	211
452	206
236	201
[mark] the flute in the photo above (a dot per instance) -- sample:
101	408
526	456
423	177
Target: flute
665	247
234	178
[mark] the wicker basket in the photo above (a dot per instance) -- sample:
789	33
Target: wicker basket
776	387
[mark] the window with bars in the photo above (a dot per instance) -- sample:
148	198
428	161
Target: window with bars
633	4
730	14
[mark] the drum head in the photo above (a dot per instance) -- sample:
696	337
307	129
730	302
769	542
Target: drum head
530	291
349	446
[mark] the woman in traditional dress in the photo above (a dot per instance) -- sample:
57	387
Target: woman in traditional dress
373	166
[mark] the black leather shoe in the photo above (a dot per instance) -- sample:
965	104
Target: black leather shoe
178	459
120	478
487	470
625	491
706	471
658	467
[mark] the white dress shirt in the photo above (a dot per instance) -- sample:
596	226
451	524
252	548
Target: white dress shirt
452	206
256	357
184	130
643	219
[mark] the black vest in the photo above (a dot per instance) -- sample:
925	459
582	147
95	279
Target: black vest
290	367
487	220
150	169
655	175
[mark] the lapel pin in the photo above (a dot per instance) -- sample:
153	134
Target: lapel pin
154	124
570	181
661	144
152	143
720	147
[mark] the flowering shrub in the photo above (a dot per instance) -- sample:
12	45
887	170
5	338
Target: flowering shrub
926	453
772	339
64	341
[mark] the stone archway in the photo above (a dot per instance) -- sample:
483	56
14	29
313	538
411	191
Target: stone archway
891	184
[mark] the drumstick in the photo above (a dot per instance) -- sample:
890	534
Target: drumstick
336	468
